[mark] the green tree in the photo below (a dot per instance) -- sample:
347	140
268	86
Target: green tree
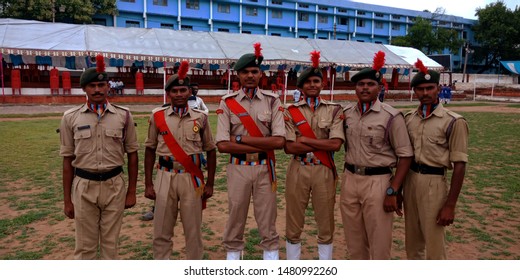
73	11
429	39
498	35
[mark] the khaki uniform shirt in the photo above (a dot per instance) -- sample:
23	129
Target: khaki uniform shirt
192	141
99	145
377	138
326	121
265	109
430	140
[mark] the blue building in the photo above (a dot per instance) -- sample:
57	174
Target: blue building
316	19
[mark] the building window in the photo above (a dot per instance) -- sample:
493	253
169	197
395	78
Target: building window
246	32
192	4
457	25
223	30
323	38
396	27
276	2
303	6
378	42
186	27
167	25
251	11
303	17
340	10
361	13
276	34
379	15
223	8
276	14
342	21
323	8
361	41
379	25
323	19
361	23
99	21
131	23
160	2
129	1
396	17
464	35
443	23
256	1
303	36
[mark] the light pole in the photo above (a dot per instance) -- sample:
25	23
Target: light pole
468	51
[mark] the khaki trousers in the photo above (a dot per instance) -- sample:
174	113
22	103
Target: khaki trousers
367	227
243	182
424	196
176	192
301	182
98	214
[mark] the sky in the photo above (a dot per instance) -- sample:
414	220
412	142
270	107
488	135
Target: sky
462	8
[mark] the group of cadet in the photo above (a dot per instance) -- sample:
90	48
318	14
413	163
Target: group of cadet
389	158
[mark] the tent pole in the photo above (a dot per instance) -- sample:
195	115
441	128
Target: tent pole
164	81
229	79
2	72
284	92
333	78
409	82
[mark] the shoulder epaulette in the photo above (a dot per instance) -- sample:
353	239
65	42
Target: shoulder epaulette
348	106
454	115
159	109
393	111
270	94
121	107
71	110
229	95
200	111
327	102
409	113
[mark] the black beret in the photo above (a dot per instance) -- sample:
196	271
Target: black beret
367	73
421	78
174	81
307	73
248	60
91	75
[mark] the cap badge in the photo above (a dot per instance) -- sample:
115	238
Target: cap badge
100	77
377	75
181	82
427	77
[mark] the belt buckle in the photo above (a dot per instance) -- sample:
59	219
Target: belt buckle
252	157
360	170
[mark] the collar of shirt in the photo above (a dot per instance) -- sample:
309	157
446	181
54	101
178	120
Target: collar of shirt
425	111
179	111
108	108
366	107
242	94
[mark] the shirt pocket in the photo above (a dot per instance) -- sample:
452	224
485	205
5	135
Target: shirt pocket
83	141
114	142
192	134
324	126
265	119
438	141
374	138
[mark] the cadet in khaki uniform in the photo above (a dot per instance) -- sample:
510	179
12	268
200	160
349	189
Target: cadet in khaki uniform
94	139
314	133
251	142
440	141
177	187
376	142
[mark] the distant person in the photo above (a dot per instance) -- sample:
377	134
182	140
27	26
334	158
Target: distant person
447	94
297	95
442	93
133	69
120	87
196	102
94	138
440	141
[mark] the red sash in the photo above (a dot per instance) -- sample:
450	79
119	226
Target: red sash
178	153
306	130
253	130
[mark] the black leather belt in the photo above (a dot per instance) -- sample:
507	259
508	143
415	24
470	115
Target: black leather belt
170	164
426	169
368	171
103	176
250	157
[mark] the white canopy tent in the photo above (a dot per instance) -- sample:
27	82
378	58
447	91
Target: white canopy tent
34	38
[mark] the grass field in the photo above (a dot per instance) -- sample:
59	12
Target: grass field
33	226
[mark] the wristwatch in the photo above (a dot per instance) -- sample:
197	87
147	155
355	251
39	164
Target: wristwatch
390	191
238	139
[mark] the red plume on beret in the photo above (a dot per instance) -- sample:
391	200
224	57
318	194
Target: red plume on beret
379	60
315	58
100	63
419	64
183	69
258	50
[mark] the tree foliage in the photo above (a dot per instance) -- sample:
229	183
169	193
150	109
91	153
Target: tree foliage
497	32
430	39
72	11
